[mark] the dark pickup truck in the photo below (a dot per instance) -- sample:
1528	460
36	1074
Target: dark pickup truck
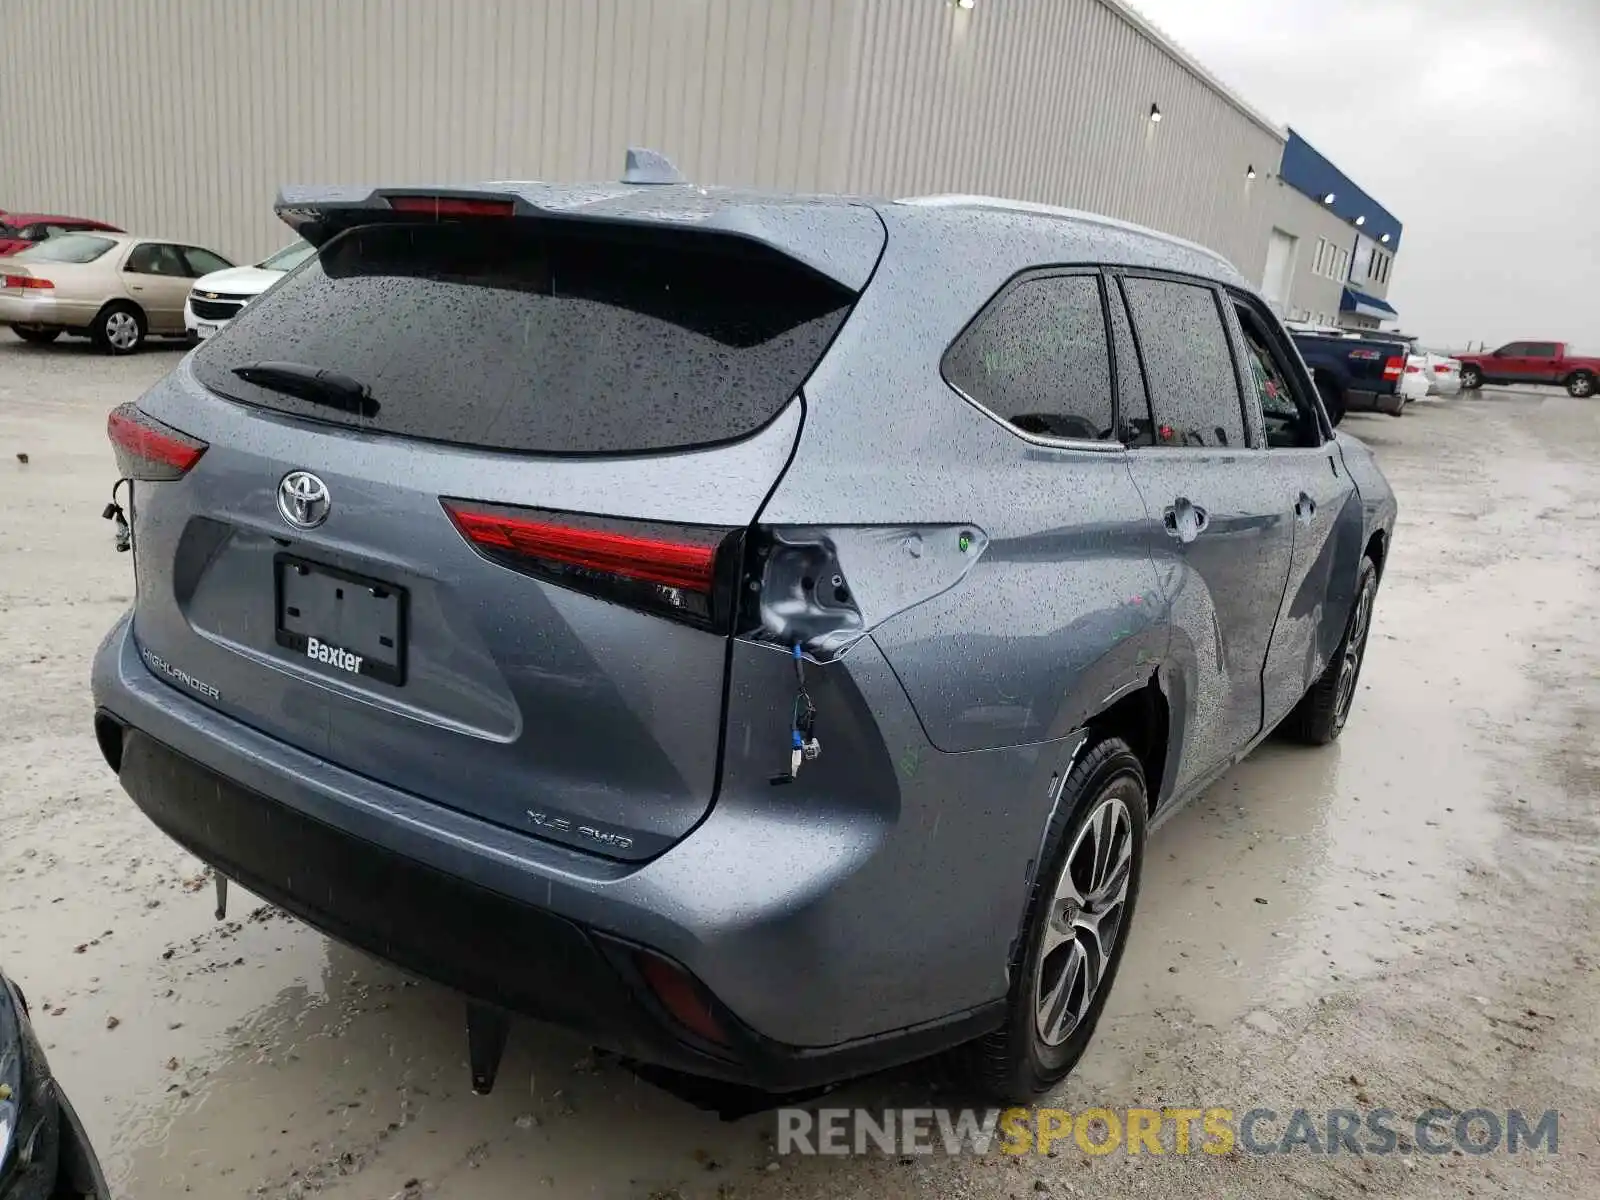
1354	374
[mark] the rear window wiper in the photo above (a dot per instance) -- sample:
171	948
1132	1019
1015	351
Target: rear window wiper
312	384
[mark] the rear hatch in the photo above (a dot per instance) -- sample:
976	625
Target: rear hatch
469	506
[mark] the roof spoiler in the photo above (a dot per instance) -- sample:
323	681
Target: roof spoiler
840	240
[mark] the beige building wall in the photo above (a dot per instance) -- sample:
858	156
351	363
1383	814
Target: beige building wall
183	117
1312	295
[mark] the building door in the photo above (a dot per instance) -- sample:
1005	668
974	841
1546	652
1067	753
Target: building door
1280	268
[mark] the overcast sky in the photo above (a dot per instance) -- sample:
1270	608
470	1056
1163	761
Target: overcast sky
1475	122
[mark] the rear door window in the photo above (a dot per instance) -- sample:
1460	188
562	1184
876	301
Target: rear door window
540	337
1194	389
1037	358
157	258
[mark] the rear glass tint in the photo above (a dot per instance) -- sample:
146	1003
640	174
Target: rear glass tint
540	338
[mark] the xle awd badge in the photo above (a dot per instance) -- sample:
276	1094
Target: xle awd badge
555	824
303	500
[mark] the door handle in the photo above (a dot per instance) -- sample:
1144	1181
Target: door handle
1304	509
1183	520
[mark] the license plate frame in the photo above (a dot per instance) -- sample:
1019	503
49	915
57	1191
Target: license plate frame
368	619
205	329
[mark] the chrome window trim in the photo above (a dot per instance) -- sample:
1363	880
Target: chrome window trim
1038	439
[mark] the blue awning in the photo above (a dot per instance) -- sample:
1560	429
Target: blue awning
1365	305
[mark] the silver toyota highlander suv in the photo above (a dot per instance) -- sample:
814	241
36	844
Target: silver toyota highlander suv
754	631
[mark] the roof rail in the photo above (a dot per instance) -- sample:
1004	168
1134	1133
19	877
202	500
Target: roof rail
649	166
1001	204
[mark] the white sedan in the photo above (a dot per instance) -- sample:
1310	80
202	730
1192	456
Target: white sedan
217	298
1443	372
1414	382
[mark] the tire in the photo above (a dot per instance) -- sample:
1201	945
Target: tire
1471	378
1332	401
36	337
1020	1061
1320	716
119	328
1580	384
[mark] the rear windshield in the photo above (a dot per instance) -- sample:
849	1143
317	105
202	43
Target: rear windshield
66	248
541	338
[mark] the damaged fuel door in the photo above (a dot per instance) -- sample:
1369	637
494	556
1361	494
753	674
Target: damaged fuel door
824	588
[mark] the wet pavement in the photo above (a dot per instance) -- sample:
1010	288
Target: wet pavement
1407	917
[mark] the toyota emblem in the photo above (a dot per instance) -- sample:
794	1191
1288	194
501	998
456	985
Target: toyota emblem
303	500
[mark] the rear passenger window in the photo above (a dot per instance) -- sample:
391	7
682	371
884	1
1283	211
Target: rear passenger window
1037	357
156	258
1194	390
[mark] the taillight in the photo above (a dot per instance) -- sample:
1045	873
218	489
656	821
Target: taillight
451	206
1413	370
688	572
27	281
1441	369
148	449
1394	368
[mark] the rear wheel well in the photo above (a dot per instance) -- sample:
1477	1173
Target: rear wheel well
1140	719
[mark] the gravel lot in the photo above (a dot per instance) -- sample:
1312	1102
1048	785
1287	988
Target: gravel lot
1406	919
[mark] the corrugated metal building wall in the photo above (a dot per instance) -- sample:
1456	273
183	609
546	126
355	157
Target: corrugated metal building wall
182	117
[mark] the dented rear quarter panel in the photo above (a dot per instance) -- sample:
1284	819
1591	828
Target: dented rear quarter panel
1063	610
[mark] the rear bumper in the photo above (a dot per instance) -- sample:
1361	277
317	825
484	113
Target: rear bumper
525	925
18	311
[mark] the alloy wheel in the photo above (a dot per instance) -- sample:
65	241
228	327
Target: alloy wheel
1084	922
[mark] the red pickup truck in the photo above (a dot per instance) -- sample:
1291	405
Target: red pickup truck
1532	362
